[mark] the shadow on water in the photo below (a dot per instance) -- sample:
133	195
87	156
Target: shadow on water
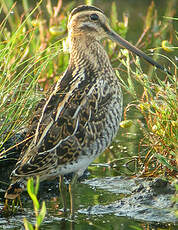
98	200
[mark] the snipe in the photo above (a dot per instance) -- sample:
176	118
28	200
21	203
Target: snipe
82	115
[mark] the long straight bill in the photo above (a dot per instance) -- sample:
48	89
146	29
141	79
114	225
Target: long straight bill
114	36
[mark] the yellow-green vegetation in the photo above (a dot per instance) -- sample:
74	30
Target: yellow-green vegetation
32	189
158	107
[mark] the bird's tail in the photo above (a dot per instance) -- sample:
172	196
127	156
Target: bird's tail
14	190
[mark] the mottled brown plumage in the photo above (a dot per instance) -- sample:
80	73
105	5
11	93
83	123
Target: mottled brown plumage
82	115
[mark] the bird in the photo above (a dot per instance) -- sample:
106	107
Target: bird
81	116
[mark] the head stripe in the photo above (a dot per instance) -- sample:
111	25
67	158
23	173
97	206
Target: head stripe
84	8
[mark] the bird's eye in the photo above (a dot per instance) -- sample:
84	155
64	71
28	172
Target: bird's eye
94	17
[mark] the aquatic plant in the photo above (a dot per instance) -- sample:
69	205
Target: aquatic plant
32	189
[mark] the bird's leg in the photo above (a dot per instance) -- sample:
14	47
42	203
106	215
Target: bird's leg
9	209
71	193
19	202
62	192
6	203
6	209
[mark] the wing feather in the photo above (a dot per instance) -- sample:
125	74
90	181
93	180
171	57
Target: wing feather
72	118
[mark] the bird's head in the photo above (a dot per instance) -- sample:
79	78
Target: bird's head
88	21
91	23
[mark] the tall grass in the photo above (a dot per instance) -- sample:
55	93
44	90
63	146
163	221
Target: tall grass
31	59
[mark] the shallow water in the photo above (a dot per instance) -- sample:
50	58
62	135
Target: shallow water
97	200
104	203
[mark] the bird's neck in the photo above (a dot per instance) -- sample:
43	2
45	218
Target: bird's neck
86	52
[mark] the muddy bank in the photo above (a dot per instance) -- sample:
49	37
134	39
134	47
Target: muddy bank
146	200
